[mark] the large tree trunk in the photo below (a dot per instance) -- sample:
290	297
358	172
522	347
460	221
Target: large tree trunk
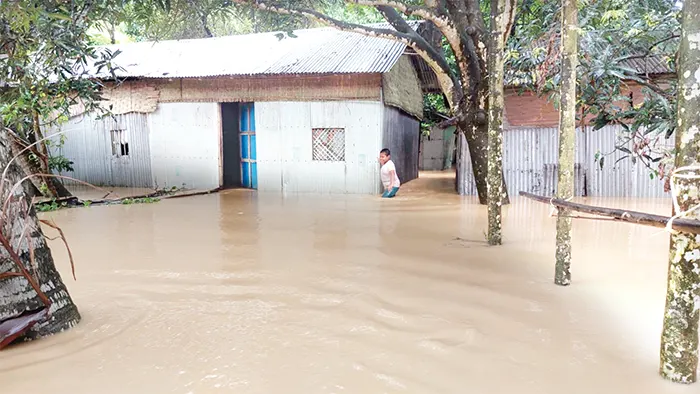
567	137
679	338
495	127
17	296
476	136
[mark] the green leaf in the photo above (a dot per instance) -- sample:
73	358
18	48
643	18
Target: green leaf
619	160
59	16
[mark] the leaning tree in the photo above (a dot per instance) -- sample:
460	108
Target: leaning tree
459	61
34	301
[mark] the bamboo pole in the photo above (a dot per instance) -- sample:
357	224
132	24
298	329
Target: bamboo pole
691	226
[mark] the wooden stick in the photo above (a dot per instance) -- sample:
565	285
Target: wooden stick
621	215
161	194
191	194
67	200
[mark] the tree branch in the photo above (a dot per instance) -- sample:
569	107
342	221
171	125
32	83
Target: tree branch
454	87
656	89
651	48
202	18
407	36
426	13
470	28
472	11
439	17
511	6
6	275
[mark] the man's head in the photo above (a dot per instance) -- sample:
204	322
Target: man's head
384	156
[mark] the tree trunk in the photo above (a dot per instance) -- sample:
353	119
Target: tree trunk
16	293
567	138
60	188
495	126
112	37
679	338
54	185
477	143
56	188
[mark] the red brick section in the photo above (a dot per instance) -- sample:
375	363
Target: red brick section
528	110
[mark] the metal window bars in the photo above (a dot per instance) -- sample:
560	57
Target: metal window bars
328	144
120	144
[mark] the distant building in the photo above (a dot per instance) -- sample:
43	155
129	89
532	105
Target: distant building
304	114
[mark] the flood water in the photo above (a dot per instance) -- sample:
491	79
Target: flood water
240	292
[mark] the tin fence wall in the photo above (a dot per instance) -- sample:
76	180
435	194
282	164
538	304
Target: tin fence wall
530	165
88	143
401	134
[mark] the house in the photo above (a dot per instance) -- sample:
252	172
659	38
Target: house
530	147
263	111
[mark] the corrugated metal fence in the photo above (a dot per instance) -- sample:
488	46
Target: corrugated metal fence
530	165
401	134
89	144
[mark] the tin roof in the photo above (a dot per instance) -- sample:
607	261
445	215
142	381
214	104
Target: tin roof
652	64
313	51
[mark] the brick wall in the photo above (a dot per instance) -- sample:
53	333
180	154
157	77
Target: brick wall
143	96
528	110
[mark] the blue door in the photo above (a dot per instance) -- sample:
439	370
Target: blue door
249	166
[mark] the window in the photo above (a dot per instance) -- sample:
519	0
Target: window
328	144
120	144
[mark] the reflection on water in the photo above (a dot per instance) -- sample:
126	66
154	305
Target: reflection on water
242	292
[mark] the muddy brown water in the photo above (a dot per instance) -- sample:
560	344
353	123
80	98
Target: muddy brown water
241	292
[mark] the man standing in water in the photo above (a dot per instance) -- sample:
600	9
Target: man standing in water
388	174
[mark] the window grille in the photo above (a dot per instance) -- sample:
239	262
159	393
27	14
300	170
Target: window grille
120	144
328	144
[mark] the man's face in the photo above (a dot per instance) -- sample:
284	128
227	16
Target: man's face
383	158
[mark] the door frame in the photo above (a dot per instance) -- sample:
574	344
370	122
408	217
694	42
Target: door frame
248	132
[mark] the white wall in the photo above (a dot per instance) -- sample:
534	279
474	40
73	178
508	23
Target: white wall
185	145
284	146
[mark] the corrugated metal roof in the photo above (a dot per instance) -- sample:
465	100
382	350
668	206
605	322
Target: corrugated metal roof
313	51
653	64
